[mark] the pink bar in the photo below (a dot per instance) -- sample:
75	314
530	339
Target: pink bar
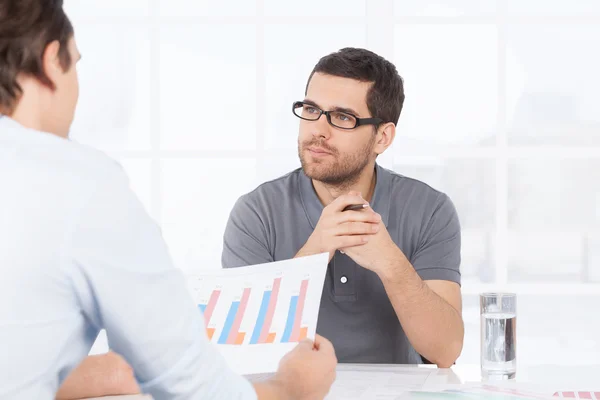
569	395
597	394
235	328
270	311
585	395
210	307
299	309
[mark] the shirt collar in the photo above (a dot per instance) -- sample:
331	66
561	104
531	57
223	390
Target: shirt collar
380	202
16	131
8	125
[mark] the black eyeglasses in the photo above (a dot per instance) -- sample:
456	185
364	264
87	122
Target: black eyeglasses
339	119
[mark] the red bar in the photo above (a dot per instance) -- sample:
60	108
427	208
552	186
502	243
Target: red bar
585	395
270	312
235	328
210	307
597	394
569	395
299	309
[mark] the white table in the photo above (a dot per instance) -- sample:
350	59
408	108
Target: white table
352	378
546	379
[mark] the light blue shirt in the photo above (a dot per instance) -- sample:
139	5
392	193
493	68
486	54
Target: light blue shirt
78	253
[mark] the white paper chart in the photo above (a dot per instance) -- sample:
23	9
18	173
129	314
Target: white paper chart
256	314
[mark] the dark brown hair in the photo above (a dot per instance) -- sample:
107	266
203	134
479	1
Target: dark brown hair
385	97
26	28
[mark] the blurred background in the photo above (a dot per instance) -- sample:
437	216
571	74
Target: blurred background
502	113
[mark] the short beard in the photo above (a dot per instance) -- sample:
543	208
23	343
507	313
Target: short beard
340	175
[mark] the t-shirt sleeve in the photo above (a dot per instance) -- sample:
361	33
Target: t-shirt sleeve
438	254
245	241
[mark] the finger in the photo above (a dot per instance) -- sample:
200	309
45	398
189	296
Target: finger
306	344
347	241
345	200
367	215
323	345
356	228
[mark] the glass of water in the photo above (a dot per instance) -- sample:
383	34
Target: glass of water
498	335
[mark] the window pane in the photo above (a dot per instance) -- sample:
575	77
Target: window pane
444	8
451	80
554	204
208	87
564	324
207	8
554	7
552	85
592	250
113	112
316	8
198	195
274	166
106	8
470	185
560	195
529	258
288	68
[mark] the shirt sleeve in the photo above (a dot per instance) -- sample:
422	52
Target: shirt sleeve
245	241
438	254
127	284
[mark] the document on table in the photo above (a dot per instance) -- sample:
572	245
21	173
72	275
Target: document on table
409	383
478	392
377	383
256	314
579	395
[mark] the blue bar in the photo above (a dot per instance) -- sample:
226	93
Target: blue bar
261	317
289	325
228	322
202	307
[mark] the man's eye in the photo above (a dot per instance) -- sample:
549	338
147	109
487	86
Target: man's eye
343	117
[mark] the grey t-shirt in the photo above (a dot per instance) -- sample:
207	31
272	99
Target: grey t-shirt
274	222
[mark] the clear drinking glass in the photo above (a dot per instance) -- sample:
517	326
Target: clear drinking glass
498	335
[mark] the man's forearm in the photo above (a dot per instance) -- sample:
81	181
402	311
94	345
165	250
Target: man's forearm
433	327
97	376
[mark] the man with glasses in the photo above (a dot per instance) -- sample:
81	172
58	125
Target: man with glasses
392	292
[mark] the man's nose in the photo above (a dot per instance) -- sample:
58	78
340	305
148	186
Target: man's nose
321	127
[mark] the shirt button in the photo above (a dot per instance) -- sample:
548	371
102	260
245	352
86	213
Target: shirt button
343	279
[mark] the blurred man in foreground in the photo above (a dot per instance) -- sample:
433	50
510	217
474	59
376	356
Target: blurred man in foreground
79	254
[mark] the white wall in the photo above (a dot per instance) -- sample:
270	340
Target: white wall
501	112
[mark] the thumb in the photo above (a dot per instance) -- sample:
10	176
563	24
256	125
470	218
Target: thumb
306	344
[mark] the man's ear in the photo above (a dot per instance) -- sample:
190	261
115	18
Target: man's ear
385	137
51	61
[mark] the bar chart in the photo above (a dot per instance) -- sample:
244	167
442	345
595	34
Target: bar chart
262	309
261	332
